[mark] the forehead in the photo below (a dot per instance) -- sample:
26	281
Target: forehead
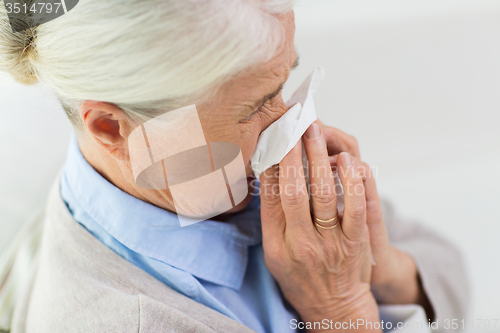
265	78
285	56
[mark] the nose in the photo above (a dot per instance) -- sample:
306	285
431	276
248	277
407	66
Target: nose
272	111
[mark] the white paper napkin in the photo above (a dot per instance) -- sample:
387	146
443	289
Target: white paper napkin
282	135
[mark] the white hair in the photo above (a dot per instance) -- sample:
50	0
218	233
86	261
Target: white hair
145	56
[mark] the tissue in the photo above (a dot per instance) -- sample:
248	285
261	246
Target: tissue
282	135
279	138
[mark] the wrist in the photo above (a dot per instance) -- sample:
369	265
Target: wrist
402	285
351	314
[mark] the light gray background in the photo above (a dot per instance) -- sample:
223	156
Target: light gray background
417	82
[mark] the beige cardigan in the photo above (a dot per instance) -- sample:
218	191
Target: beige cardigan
80	285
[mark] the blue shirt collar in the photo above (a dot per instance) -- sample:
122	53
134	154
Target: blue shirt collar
211	250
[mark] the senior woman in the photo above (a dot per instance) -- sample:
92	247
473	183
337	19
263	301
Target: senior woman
113	257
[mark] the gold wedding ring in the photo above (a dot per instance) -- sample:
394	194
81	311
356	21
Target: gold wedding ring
326	221
319	225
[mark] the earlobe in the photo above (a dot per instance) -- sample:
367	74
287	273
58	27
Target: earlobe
107	124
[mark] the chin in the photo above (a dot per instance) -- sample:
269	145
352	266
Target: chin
241	206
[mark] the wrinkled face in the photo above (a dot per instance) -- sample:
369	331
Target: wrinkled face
241	110
247	105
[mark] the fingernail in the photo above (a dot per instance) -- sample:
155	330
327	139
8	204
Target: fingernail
346	159
313	131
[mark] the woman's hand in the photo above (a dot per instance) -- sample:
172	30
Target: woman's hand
395	278
323	273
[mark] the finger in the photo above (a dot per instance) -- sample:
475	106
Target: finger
322	184
293	192
273	220
374	214
373	207
354	217
338	141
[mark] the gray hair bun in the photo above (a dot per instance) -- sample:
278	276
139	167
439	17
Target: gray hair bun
17	51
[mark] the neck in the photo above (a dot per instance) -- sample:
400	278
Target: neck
119	173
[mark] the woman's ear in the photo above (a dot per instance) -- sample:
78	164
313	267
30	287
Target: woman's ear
108	126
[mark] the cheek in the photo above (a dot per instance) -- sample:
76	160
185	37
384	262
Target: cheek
249	133
245	135
247	141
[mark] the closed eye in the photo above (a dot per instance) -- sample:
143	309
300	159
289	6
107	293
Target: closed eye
247	118
264	101
269	97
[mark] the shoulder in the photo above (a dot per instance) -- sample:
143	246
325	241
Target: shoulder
80	285
72	289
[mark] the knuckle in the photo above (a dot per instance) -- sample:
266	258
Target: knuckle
373	206
294	195
270	193
356	211
324	194
355	189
